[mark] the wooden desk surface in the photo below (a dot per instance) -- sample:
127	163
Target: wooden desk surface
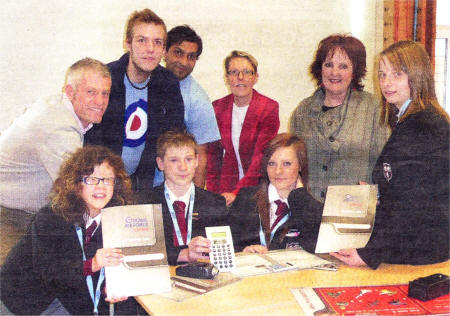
270	294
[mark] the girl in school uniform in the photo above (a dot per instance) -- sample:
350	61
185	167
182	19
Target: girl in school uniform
60	260
260	216
412	172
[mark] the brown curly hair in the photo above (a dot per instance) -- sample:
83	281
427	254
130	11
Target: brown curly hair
355	51
66	191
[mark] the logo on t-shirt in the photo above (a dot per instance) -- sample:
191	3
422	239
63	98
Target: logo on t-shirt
135	124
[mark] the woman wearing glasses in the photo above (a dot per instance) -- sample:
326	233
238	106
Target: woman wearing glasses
60	259
247	121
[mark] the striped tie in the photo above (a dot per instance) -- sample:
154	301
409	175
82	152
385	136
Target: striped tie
89	232
282	210
179	208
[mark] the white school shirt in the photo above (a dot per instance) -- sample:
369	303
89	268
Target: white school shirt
89	220
184	198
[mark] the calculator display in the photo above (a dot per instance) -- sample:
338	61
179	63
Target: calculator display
219	235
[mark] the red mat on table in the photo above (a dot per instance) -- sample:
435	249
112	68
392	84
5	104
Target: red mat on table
380	300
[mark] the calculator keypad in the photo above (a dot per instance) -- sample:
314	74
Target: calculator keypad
221	255
222	250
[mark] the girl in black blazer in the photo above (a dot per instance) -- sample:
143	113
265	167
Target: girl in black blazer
259	219
58	256
412	172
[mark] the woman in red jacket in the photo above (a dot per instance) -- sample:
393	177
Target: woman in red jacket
247	121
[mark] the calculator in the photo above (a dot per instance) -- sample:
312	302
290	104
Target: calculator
222	250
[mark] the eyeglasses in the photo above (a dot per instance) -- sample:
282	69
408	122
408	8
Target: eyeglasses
94	180
245	73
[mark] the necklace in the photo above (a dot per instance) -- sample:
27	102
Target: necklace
136	87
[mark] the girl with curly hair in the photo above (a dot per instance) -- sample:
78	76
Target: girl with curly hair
61	257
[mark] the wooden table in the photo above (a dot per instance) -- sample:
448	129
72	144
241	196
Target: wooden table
270	294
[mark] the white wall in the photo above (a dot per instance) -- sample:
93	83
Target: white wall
40	39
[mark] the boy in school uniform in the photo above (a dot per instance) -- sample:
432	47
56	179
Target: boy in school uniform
186	208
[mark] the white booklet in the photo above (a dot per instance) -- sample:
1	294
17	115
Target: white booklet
348	217
248	264
138	230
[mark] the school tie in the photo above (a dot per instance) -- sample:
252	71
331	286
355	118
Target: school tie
179	208
281	211
89	232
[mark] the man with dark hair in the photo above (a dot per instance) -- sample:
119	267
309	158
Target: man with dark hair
183	49
145	99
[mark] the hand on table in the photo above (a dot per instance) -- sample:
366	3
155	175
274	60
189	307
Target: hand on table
349	257
256	249
196	249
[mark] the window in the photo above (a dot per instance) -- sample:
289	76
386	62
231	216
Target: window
441	71
442	57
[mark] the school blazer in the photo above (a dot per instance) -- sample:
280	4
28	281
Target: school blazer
260	126
209	210
412	173
47	263
245	222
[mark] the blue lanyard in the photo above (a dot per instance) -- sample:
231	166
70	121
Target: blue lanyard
174	217
262	238
89	282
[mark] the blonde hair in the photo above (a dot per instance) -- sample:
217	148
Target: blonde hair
174	138
143	16
241	54
412	59
75	72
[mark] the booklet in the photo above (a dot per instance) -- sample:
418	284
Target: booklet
249	264
348	217
367	300
138	230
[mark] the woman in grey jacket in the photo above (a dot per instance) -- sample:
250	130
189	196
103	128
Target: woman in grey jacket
339	122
